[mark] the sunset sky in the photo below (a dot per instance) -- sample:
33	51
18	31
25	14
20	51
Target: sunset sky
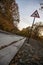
26	8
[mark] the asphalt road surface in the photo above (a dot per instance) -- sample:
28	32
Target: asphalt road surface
7	53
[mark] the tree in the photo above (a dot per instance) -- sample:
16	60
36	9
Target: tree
6	16
36	30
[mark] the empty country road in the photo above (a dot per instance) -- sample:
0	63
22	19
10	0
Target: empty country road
7	53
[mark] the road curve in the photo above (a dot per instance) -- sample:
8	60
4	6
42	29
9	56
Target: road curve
9	52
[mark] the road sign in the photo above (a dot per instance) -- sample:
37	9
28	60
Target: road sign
35	14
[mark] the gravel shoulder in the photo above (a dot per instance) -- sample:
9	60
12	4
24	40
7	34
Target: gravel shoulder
29	54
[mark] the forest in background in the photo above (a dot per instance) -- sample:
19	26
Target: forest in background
7	22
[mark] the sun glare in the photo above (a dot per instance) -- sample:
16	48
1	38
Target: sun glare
41	33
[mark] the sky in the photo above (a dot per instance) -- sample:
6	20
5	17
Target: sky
26	9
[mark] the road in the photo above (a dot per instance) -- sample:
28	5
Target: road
7	53
6	39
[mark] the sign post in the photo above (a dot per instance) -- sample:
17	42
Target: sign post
35	15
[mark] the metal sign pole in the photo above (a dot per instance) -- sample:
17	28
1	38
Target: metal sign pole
32	27
31	31
33	22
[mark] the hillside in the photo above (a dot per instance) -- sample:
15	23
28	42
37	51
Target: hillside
6	24
6	19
